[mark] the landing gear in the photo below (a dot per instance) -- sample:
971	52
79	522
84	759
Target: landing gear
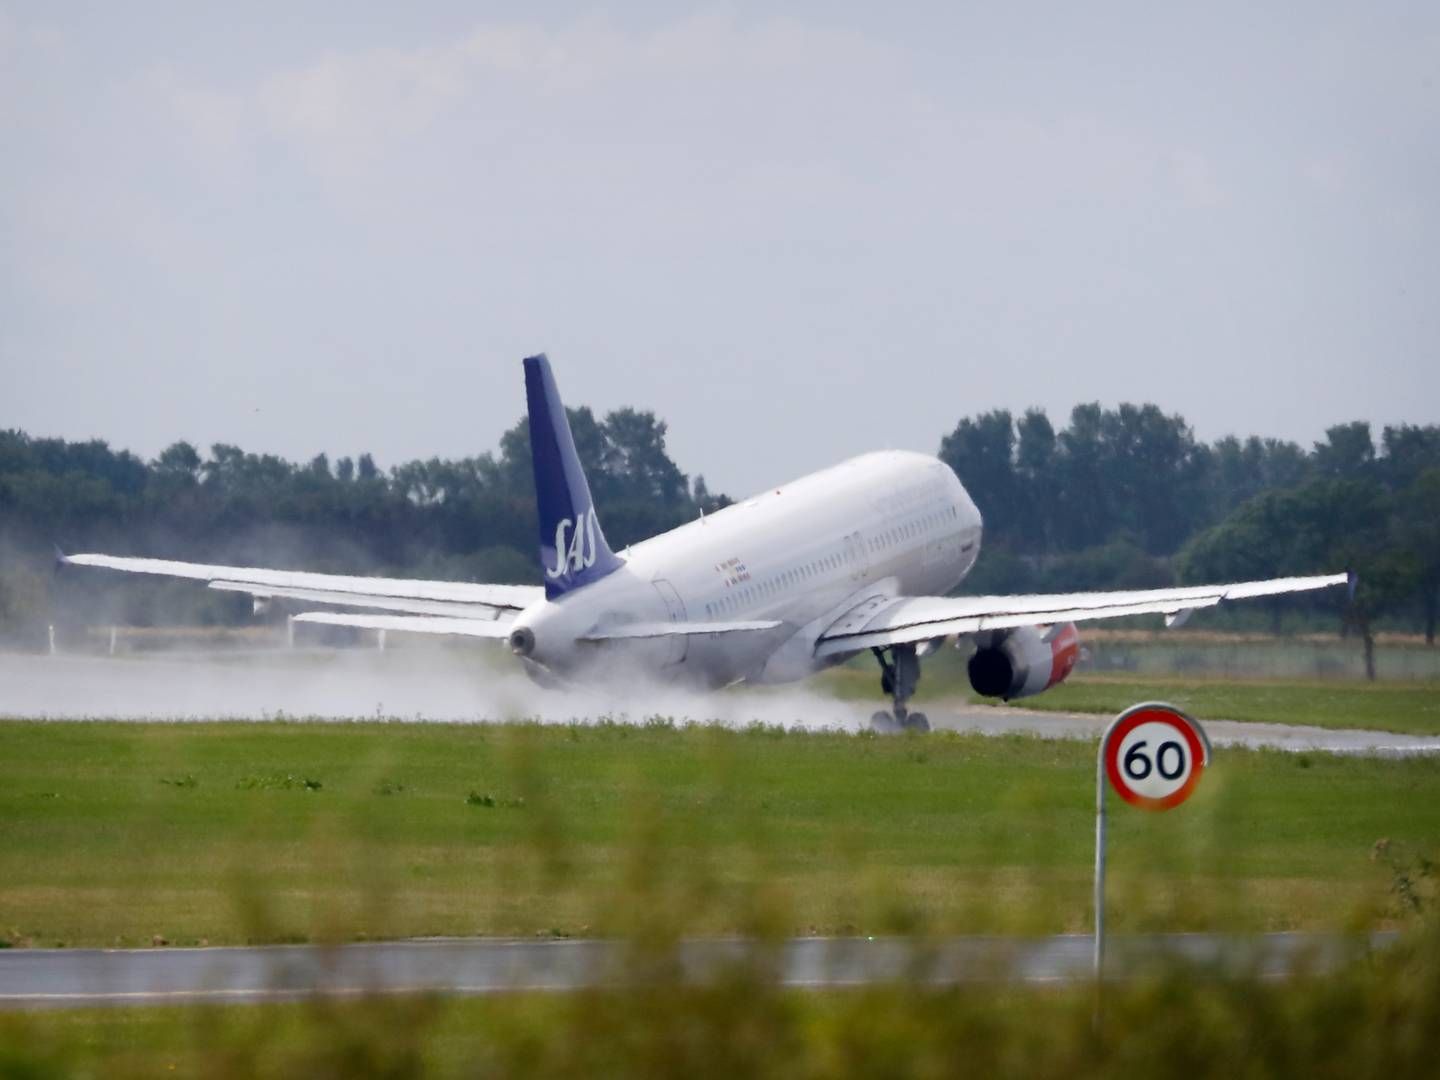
899	675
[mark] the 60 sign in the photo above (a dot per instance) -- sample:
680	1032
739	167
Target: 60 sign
1155	756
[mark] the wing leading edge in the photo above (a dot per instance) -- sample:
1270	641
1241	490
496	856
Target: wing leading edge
903	620
456	599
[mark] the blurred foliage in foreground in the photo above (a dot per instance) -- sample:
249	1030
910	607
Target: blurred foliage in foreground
1378	1018
653	833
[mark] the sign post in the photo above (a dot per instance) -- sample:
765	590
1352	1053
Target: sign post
1153	755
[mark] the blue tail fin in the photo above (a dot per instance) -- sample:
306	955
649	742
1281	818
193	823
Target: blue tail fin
573	551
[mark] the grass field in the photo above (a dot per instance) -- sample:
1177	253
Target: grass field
1410	707
132	833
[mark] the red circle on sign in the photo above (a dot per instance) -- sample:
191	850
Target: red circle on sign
1154	714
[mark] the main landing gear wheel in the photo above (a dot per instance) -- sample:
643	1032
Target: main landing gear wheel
899	675
887	723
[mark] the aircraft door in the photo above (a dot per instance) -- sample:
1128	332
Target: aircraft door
676	646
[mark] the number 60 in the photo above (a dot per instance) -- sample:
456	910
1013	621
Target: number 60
1138	766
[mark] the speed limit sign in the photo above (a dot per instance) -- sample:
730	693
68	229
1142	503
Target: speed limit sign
1154	755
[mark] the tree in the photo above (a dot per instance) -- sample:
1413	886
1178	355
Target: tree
1418	532
179	462
635	460
1037	480
982	451
1348	451
1409	452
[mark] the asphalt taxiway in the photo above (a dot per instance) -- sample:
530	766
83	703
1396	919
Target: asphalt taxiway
37	978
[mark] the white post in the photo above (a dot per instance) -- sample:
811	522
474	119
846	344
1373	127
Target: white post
380	640
52	639
290	631
112	640
1099	960
1100	856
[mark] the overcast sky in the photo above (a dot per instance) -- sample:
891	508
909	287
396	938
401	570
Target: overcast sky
794	237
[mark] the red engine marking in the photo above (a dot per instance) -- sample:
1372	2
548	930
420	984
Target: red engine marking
1064	654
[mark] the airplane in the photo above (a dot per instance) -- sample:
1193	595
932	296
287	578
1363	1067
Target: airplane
796	579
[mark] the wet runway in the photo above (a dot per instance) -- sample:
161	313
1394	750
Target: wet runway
443	686
992	720
38	978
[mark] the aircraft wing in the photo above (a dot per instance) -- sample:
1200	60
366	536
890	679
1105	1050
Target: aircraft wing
882	621
455	599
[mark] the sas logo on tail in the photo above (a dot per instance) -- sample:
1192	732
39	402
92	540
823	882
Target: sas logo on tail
577	552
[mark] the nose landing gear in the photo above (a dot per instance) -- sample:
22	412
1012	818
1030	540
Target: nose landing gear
899	676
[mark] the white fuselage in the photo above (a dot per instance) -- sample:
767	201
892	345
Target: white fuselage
881	525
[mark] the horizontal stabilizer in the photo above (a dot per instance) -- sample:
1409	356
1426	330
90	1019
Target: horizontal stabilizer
630	631
412	624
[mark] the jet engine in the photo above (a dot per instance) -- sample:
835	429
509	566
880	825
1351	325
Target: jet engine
1024	661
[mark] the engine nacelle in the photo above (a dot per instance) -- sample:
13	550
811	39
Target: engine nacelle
1024	661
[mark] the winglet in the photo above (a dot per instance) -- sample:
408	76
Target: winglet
60	557
573	551
1352	582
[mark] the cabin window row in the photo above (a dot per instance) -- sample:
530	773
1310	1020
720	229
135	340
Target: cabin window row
911	529
773	586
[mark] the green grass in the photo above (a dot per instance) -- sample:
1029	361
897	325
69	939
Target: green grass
128	833
1409	707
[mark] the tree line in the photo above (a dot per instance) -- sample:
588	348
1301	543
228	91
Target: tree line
1123	497
1128	497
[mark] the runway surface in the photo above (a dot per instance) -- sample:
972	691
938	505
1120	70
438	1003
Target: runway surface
991	720
37	978
448	687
